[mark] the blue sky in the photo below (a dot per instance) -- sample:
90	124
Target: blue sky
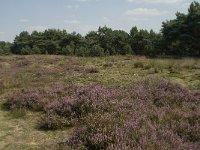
85	15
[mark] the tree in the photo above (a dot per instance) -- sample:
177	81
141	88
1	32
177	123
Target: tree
133	42
83	51
96	51
92	38
21	42
26	50
51	47
181	35
178	37
121	42
106	40
68	50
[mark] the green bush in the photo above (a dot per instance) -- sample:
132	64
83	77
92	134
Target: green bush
26	50
96	51
5	48
68	50
36	50
4	51
126	49
82	51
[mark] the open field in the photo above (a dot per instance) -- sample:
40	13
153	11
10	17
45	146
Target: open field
36	91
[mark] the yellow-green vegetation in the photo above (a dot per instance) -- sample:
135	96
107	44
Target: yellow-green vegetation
19	129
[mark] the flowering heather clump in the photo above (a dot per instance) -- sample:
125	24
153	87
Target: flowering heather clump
33	98
27	99
62	104
151	114
53	122
98	133
162	92
78	104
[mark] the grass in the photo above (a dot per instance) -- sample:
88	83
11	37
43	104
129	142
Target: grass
18	130
21	133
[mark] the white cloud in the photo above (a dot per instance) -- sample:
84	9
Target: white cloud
156	1
37	28
23	20
72	6
144	12
72	21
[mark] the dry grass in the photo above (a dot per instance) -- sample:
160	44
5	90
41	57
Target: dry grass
16	72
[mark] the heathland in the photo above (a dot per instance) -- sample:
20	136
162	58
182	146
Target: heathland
116	102
109	89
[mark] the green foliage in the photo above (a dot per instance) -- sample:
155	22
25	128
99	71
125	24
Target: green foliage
126	49
82	51
36	50
106	39
96	51
66	51
178	37
5	48
26	50
181	35
144	42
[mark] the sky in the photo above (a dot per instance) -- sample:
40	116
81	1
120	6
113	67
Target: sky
85	15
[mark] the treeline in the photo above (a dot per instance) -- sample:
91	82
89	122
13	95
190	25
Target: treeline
178	37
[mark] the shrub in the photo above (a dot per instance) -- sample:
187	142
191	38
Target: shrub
33	99
53	122
138	65
5	48
140	120
26	50
92	70
151	114
126	49
67	51
82	102
36	50
97	134
4	51
82	51
96	51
